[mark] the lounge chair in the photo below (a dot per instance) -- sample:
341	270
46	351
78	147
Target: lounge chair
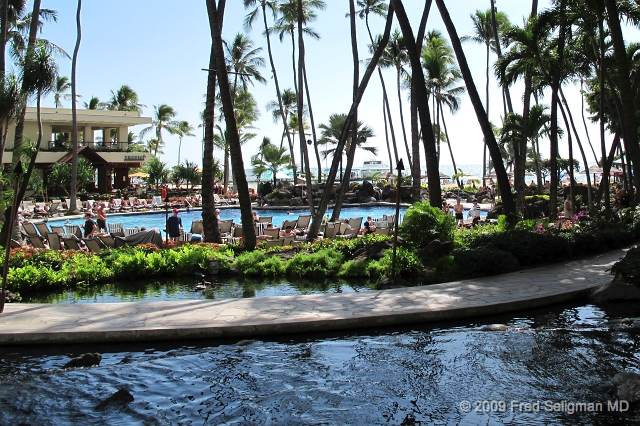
15	244
28	205
54	241
157	202
267	219
275	243
303	221
197	227
330	231
355	223
287	241
225	226
273	233
30	229
219	200
383	231
57	229
107	240
92	244
53	208
60	209
70	243
116	229
42	228
73	230
35	242
291	223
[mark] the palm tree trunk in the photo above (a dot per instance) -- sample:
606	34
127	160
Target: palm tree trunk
484	148
305	151
438	108
386	132
19	133
584	157
446	133
404	130
32	162
248	232
494	150
313	124
630	122
584	122
570	143
433	172
74	142
354	132
326	195
3	31
385	100
505	90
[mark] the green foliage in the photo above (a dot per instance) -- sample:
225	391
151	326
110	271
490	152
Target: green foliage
408	264
354	269
483	262
257	263
423	224
324	263
61	175
446	269
628	268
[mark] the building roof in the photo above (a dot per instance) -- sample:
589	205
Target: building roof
93	157
95	117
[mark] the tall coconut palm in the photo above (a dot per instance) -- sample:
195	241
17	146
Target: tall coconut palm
248	22
396	56
11	101
94	103
74	112
331	131
39	77
492	145
163	119
483	26
62	85
270	158
288	100
243	61
125	99
184	129
287	24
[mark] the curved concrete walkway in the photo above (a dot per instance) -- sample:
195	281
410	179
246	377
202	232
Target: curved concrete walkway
137	321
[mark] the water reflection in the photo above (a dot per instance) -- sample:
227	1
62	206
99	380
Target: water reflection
184	289
393	375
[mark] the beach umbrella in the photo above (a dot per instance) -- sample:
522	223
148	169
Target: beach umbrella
139	175
443	176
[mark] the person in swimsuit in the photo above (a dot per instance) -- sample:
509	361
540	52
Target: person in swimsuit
458	209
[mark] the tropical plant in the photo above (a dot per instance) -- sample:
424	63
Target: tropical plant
11	104
270	158
125	99
61	175
243	62
94	103
163	119
188	173
184	129
62	85
157	171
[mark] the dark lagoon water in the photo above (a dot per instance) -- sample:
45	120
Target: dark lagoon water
412	375
168	289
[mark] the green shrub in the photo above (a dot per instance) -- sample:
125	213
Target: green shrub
354	269
628	268
324	263
256	263
446	269
482	262
408	264
423	224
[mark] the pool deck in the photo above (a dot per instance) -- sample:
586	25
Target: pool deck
42	324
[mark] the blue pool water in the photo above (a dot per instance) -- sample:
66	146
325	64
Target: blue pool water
156	219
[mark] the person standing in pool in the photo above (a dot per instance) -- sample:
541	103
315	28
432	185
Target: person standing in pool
101	216
458	209
174	223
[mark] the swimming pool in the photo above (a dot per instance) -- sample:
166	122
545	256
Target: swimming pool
156	219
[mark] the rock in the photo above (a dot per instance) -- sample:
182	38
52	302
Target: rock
373	251
367	189
10	297
246	342
615	290
436	249
86	360
626	321
213	268
391	282
628	386
494	327
121	397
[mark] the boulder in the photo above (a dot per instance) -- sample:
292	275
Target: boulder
373	251
86	360
391	282
617	289
121	397
367	189
494	327
628	386
436	249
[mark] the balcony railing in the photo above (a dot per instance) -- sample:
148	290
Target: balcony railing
63	146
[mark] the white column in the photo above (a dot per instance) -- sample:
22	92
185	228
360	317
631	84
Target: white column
87	136
123	136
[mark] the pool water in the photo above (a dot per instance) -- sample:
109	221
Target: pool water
156	219
419	374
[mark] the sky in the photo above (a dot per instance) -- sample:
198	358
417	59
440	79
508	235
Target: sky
159	48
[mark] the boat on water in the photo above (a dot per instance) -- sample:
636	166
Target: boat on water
371	167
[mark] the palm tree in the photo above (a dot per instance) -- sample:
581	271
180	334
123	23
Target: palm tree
184	129
492	145
74	111
11	101
396	56
163	118
125	99
62	85
243	61
94	103
289	104
270	158
38	76
483	25
282	104
157	171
